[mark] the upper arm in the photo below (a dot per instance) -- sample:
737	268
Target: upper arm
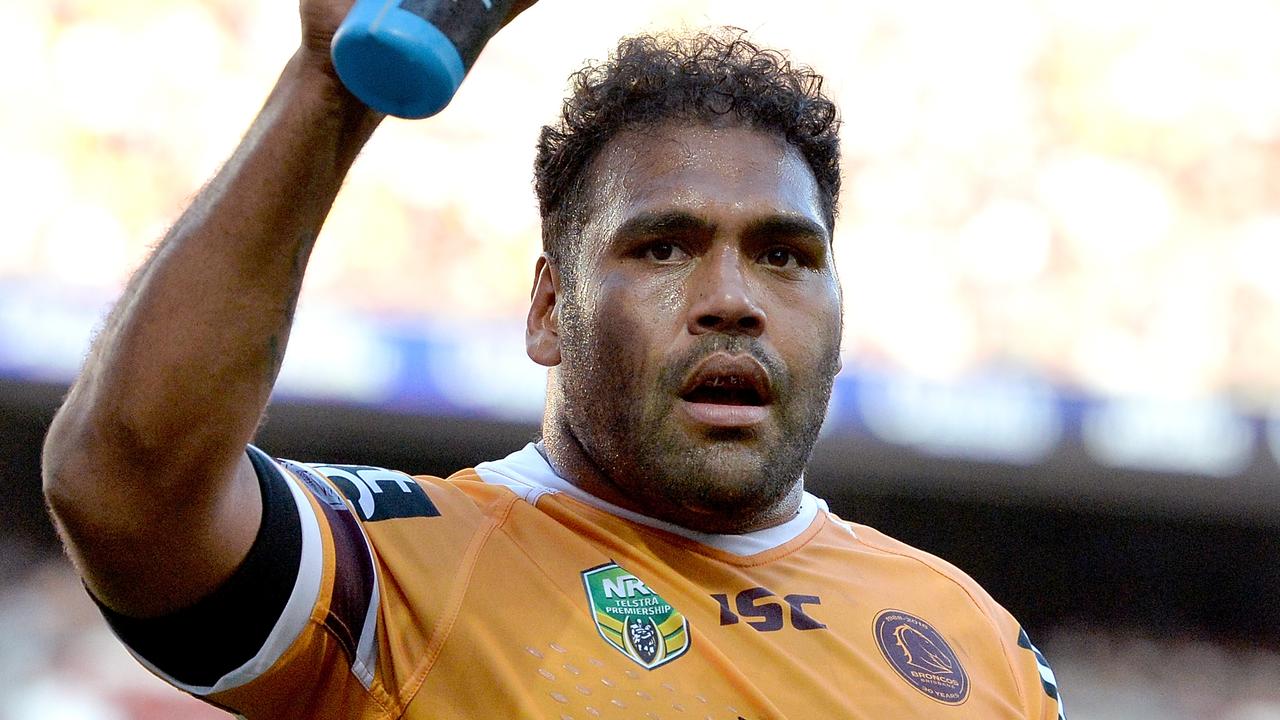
291	633
347	584
305	626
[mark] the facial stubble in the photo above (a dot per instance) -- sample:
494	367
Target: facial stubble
627	426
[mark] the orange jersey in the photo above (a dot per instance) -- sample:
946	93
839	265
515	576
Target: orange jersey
506	592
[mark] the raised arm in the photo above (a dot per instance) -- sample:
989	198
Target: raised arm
145	468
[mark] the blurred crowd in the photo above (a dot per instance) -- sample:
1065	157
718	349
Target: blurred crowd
62	663
1116	675
1080	190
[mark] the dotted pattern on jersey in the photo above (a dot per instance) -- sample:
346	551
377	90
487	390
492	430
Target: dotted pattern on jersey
586	688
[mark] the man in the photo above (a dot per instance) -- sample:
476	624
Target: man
653	556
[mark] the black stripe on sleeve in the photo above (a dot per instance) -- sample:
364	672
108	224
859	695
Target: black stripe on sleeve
200	644
354	577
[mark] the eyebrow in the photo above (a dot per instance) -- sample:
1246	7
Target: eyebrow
665	223
791	227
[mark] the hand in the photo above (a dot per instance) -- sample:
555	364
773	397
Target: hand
321	18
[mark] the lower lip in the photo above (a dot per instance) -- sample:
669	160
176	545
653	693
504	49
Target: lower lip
725	416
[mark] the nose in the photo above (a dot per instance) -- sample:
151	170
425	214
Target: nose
722	297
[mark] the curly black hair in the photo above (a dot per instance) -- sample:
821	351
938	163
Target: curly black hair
650	79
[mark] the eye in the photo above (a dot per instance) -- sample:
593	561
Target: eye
780	257
662	252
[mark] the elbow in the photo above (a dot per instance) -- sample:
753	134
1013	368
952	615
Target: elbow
65	466
87	460
93	477
96	466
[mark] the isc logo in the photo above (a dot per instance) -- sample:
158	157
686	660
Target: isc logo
380	494
756	606
625	586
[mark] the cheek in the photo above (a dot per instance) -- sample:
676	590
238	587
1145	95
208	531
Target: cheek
645	312
813	327
610	336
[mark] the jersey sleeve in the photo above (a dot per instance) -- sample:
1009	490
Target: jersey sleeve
292	634
1046	705
1041	698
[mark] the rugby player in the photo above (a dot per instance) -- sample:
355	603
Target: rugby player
653	555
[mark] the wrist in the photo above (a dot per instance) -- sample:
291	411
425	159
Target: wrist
315	71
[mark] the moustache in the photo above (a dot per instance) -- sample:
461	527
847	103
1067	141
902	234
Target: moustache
674	374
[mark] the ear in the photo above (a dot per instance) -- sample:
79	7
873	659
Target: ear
542	329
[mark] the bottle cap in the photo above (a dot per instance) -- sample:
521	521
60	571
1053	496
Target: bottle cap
395	62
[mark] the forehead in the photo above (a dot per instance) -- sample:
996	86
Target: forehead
721	173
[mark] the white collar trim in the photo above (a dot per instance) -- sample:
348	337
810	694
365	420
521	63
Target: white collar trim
527	473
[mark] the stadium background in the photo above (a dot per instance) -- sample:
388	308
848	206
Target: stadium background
1060	248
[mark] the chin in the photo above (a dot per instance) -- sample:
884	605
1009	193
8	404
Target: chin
726	481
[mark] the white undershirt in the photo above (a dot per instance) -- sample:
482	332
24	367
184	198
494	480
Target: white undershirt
528	474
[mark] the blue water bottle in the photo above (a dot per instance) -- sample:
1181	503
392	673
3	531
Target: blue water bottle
408	57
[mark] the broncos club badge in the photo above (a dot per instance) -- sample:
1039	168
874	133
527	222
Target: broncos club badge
921	656
634	619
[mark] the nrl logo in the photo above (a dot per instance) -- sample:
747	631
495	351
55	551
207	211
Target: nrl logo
634	619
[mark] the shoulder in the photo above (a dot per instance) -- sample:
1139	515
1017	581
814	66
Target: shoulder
932	588
911	577
924	563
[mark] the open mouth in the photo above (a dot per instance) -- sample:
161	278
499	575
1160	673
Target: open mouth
727	391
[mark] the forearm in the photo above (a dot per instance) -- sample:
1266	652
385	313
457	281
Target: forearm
201	330
178	378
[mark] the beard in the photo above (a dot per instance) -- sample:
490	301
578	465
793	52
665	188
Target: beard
624	416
